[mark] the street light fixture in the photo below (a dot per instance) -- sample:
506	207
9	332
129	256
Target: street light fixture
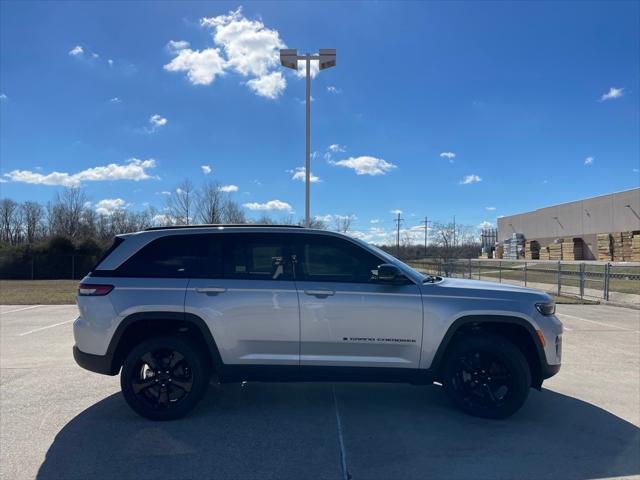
289	58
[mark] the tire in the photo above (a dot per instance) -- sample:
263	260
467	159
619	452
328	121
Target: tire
486	376
163	378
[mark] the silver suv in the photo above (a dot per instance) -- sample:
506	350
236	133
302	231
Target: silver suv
168	308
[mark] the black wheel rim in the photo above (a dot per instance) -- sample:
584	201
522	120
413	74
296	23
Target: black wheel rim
162	378
482	380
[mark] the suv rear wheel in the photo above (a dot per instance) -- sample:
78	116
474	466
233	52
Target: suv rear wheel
486	376
163	378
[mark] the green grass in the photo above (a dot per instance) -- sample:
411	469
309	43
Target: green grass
38	292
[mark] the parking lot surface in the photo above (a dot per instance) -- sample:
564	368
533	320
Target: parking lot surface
59	421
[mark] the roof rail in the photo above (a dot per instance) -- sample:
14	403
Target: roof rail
222	225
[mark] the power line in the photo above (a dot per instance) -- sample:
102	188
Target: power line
426	222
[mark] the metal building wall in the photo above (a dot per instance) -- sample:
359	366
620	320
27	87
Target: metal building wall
616	212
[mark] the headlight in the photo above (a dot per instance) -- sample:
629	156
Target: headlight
546	308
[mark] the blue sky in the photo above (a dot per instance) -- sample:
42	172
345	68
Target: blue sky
538	101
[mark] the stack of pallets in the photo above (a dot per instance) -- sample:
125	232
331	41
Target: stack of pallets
555	250
572	249
635	247
531	250
544	253
621	246
604	247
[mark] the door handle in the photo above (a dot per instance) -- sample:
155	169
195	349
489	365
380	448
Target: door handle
320	293
211	290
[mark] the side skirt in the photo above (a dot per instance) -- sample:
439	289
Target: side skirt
307	373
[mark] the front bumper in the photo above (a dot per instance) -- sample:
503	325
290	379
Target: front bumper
95	363
549	371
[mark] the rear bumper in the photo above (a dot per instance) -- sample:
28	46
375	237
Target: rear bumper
95	363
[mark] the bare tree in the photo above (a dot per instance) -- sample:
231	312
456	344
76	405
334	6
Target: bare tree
342	223
66	211
10	221
210	203
181	203
33	215
233	213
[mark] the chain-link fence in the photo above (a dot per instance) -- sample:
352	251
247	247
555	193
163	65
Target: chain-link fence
46	267
597	281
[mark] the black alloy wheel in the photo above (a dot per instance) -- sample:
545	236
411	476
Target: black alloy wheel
163	378
487	376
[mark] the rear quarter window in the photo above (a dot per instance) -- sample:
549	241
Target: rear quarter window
175	256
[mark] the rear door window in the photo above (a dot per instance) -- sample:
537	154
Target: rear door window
255	256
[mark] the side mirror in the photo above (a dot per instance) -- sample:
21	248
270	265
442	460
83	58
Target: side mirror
389	273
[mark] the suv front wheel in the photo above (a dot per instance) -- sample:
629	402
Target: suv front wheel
486	376
163	378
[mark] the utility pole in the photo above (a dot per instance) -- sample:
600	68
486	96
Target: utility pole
426	234
398	222
289	58
454	230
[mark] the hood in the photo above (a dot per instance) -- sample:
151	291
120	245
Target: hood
478	288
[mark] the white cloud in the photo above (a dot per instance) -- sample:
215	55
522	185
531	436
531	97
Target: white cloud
110	62
449	155
485	224
75	51
490	209
206	169
333	89
228	188
269	86
300	174
335	148
95	55
175	46
396	211
635	170
156	121
3	97
365	165
469	179
109	205
134	169
202	67
270	205
165	192
115	100
612	94
375	220
588	160
246	47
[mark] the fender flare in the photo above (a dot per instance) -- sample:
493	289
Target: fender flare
189	318
438	358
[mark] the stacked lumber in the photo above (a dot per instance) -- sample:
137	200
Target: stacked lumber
604	247
622	248
531	250
555	250
544	253
635	248
572	249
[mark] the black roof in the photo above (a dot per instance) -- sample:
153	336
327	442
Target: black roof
214	225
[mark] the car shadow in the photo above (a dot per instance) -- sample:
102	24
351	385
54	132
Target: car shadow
389	431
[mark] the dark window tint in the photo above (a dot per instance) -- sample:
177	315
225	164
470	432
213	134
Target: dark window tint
256	257
176	256
330	259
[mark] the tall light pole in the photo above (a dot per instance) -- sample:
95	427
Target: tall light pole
289	58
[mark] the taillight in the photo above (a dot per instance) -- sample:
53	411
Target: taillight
93	290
